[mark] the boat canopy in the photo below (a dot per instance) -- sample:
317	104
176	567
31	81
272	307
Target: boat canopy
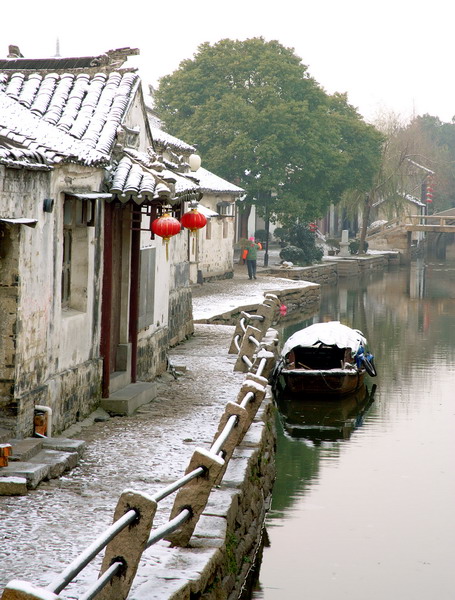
332	333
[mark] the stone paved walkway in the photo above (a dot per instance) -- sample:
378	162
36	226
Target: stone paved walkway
45	530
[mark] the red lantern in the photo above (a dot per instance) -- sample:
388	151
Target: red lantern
194	220
166	227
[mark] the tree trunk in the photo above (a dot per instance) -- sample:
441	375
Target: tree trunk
243	222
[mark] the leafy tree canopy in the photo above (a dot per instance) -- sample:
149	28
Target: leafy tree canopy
261	121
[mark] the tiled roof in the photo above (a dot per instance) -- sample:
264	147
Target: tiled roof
28	141
29	159
66	116
167	140
112	59
141	177
209	182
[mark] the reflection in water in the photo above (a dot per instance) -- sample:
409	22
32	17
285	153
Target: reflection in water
324	419
367	512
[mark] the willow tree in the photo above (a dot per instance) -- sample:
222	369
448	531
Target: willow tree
409	153
260	121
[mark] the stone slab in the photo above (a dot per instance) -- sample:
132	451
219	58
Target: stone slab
58	462
24	449
33	473
127	400
13	486
211	527
64	445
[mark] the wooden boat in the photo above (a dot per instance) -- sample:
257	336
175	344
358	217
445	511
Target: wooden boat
324	358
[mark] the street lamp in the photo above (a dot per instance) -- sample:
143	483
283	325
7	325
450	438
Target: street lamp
194	161
271	194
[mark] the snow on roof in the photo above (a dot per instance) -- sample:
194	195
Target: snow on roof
23	132
408	197
332	333
207	212
23	158
161	137
166	139
142	177
63	116
413	200
110	59
209	182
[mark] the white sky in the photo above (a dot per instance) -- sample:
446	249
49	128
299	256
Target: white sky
390	55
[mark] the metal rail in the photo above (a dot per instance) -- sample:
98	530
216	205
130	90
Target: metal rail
101	583
173	487
74	568
169	527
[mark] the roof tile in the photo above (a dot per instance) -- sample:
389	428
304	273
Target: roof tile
84	107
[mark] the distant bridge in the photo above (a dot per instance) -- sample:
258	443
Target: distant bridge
397	233
438	223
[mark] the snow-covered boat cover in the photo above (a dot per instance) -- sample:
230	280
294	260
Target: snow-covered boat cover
332	333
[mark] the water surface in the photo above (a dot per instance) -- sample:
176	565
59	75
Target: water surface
369	514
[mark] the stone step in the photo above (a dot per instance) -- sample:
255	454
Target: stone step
99	415
127	400
37	459
64	445
119	380
58	462
32	472
13	486
24	449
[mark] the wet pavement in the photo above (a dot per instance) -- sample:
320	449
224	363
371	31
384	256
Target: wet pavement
45	530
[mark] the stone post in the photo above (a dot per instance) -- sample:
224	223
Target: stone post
129	544
247	348
344	244
194	494
22	590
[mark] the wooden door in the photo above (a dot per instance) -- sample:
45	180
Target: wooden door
116	290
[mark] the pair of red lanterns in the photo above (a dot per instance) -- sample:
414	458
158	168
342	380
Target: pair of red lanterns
167	226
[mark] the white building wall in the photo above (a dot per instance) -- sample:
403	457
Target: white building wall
215	242
74	332
56	350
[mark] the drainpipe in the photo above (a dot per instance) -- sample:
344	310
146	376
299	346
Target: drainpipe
48	412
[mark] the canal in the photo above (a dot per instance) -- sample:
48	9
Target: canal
363	508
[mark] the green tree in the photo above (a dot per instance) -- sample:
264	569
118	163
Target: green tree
261	121
302	247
